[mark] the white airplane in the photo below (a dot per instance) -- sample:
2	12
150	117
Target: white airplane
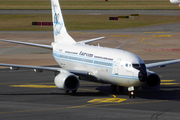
77	61
177	2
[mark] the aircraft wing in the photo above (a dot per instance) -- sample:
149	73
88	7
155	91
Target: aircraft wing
90	40
40	69
162	64
29	44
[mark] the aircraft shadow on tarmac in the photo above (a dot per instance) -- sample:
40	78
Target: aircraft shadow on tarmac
159	94
63	93
164	93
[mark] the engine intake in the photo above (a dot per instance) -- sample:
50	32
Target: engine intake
66	81
153	81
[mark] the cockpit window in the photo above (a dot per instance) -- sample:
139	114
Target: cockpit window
136	66
139	66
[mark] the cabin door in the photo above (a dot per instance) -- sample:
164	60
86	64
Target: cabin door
117	67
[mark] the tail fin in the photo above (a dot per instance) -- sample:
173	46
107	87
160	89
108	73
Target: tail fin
60	32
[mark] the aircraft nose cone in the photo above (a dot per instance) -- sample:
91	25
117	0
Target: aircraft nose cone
142	76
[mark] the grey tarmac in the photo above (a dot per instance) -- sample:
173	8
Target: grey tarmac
25	94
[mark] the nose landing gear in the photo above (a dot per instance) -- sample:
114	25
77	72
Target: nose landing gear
131	92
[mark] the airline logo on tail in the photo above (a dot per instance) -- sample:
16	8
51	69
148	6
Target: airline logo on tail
57	24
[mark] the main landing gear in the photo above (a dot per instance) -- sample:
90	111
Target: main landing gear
131	92
73	92
115	88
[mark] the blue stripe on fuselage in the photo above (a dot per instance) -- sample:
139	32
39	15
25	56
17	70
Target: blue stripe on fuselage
82	60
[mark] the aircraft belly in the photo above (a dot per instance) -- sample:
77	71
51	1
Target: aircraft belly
105	75
126	82
120	80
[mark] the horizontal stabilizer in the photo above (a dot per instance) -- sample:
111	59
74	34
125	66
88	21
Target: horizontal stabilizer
90	40
29	44
123	44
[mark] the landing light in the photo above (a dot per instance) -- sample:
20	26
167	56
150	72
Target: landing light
38	70
14	68
132	93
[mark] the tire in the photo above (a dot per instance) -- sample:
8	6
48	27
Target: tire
120	89
113	88
74	91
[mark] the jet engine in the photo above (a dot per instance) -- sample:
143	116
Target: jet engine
177	2
66	81
153	81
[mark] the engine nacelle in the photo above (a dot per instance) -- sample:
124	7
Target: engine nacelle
66	81
153	81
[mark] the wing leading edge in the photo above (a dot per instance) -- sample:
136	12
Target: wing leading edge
40	69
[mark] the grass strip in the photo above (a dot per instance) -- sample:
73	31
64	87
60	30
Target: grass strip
18	22
88	4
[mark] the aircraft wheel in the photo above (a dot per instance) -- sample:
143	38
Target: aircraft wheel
129	95
74	91
113	88
67	91
134	96
120	89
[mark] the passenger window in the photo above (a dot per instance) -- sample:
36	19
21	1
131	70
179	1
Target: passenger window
126	65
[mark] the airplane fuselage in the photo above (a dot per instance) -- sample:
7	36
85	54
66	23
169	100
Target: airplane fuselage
109	65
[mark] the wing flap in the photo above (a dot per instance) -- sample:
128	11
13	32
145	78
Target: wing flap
159	64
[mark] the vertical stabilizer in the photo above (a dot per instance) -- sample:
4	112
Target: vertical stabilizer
60	32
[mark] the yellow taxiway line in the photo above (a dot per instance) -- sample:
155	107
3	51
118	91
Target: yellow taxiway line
170	83
34	86
167	80
162	36
143	40
157	32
